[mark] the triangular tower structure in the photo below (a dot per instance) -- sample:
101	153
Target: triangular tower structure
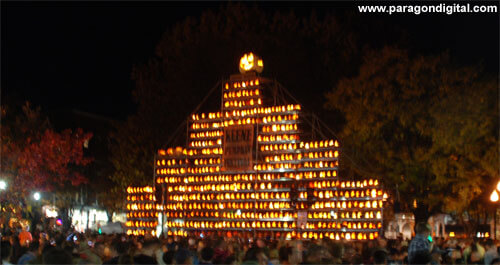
246	170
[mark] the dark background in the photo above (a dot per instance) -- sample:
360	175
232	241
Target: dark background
79	55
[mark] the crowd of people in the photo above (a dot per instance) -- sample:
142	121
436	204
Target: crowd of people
56	247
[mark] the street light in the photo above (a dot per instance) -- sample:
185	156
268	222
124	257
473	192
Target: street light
3	184
494	198
36	196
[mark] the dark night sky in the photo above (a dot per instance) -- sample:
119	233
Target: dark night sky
67	55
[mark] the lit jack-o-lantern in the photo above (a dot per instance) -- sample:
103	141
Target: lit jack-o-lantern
250	62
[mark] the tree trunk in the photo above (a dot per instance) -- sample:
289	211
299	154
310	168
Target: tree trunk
110	216
469	225
37	215
65	218
88	220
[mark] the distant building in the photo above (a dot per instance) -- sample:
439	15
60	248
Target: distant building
402	226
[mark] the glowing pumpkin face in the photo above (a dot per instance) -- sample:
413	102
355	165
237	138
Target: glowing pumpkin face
250	62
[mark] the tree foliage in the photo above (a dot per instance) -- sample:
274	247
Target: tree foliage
429	128
47	163
38	158
465	139
307	55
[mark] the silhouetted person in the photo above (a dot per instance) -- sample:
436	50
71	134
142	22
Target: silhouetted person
251	256
168	257
491	252
206	255
422	257
57	256
420	243
380	257
6	252
183	257
284	255
117	249
147	253
30	254
126	259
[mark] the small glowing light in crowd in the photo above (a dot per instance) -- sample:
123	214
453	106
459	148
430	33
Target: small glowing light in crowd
37	196
452	234
59	222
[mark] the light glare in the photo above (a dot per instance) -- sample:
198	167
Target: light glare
3	185
494	196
